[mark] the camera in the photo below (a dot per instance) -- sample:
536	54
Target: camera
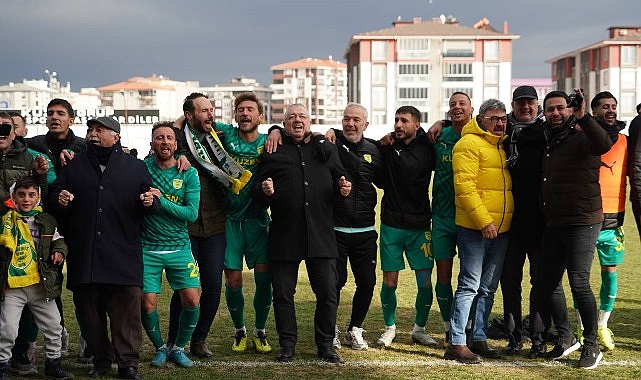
574	100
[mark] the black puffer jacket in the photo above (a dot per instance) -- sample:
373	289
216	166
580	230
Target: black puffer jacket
362	161
50	145
570	193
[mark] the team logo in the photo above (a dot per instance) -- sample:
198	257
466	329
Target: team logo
177	183
260	149
367	158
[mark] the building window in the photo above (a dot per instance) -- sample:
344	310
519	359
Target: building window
628	104
628	79
491	50
413	47
458	48
447	92
424	117
412	93
379	118
379	74
491	92
413	69
492	74
458	72
379	50
628	55
379	95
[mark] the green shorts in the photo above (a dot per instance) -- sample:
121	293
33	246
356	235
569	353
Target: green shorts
443	238
610	246
247	238
417	245
180	268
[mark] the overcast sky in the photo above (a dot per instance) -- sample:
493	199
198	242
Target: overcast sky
95	43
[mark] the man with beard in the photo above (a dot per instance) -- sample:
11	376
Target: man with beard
571	200
610	245
166	246
103	194
246	227
207	233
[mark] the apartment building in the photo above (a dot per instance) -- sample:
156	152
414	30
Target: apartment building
612	64
319	84
421	63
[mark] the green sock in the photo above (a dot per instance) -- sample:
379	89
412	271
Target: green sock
236	305
388	302
151	323
424	298
186	324
608	293
262	298
444	297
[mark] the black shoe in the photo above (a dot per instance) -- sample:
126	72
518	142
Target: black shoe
99	372
53	370
328	354
513	348
481	348
563	349
285	354
4	370
21	365
590	357
537	350
129	373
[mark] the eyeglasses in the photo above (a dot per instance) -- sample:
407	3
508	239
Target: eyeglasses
495	119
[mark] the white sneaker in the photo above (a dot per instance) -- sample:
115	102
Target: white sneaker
354	338
64	350
421	337
337	341
387	337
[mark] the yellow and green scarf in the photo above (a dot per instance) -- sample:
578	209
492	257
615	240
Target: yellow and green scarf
16	236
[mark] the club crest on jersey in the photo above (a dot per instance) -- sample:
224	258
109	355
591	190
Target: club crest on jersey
260	149
367	158
177	183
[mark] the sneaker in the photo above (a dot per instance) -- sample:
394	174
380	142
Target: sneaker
422	338
590	357
161	357
84	355
260	343
4	370
387	337
64	350
240	341
178	356
53	370
354	338
562	349
336	343
604	337
513	348
537	351
579	334
21	365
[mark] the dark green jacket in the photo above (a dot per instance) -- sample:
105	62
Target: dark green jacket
50	274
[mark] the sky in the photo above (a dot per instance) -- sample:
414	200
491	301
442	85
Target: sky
96	43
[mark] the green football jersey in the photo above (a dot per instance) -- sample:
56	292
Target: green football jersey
443	185
240	206
167	229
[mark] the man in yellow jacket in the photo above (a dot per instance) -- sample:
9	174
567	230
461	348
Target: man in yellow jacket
484	207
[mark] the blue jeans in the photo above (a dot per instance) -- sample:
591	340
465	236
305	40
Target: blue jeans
481	267
209	253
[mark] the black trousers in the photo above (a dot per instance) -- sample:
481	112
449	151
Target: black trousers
322	278
361	250
121	305
511	280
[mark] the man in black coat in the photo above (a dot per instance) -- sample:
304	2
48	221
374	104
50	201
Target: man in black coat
299	182
103	194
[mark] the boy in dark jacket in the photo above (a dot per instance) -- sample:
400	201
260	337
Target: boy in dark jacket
31	250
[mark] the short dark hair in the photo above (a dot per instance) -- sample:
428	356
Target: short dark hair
188	105
164	124
555	94
638	107
416	114
7	115
61	102
250	96
18	114
26	183
601	95
461	93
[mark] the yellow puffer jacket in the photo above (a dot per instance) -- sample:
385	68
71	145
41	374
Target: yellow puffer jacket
482	182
